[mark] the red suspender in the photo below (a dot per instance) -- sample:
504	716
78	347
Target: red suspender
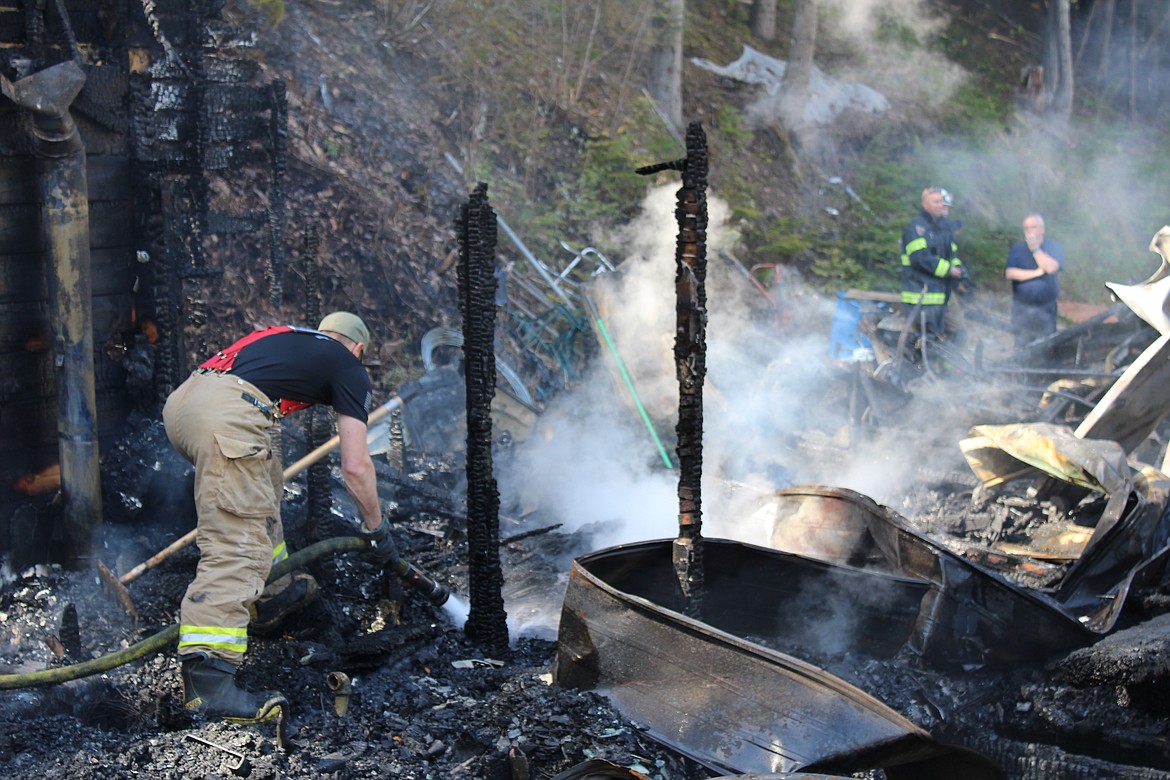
225	358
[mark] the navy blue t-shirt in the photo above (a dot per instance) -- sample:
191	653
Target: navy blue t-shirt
1043	289
305	365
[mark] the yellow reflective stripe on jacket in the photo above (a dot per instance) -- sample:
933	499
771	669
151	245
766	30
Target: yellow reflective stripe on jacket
929	299
213	636
279	553
915	245
943	268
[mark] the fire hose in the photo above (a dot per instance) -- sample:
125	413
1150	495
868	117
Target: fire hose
289	473
434	591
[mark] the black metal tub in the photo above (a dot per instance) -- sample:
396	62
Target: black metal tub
972	616
734	704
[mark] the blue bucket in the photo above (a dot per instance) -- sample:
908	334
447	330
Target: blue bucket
844	338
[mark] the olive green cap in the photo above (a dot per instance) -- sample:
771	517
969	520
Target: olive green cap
348	325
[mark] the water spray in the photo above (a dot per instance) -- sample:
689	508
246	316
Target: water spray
456	609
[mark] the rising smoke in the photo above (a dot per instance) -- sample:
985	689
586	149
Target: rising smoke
1096	180
771	394
597	466
888	45
594	462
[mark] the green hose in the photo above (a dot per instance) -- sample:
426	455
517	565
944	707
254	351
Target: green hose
634	393
167	636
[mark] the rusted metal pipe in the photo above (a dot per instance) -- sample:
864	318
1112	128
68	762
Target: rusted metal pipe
340	685
64	195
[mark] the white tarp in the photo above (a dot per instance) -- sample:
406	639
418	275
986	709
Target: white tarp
1151	299
827	96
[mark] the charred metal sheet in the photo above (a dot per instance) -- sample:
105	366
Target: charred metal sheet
1137	401
1130	546
1127	540
971	615
1001	453
710	688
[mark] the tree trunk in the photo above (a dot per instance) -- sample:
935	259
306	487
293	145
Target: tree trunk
666	59
1058	65
1106	40
1133	58
763	19
798	72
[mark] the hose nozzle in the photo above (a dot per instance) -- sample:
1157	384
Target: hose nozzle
436	592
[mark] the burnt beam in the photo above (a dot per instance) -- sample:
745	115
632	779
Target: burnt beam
690	357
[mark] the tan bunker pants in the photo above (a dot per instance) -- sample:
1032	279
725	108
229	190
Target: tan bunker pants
235	448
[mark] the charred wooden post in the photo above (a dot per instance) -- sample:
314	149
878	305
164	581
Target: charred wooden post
690	357
319	426
278	132
487	622
61	179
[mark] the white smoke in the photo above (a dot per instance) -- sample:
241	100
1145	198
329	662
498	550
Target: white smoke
899	65
859	20
597	463
594	463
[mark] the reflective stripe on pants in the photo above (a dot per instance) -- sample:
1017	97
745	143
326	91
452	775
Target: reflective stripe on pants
238	487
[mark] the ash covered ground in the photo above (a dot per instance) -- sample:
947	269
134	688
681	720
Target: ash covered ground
425	702
428	703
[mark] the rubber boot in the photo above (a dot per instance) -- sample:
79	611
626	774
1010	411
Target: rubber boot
209	689
269	613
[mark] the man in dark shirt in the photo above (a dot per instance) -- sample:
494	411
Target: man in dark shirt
1032	267
224	419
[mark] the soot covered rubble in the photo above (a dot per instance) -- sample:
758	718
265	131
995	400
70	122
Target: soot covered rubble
425	702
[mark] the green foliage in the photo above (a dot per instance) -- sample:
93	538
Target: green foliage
731	145
602	189
556	123
780	240
893	31
972	105
729	122
609	184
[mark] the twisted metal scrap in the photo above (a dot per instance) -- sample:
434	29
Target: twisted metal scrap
487	621
690	357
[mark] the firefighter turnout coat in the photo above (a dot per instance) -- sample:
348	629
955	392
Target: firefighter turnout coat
929	253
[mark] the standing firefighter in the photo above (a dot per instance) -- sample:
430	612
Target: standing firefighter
930	262
224	419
